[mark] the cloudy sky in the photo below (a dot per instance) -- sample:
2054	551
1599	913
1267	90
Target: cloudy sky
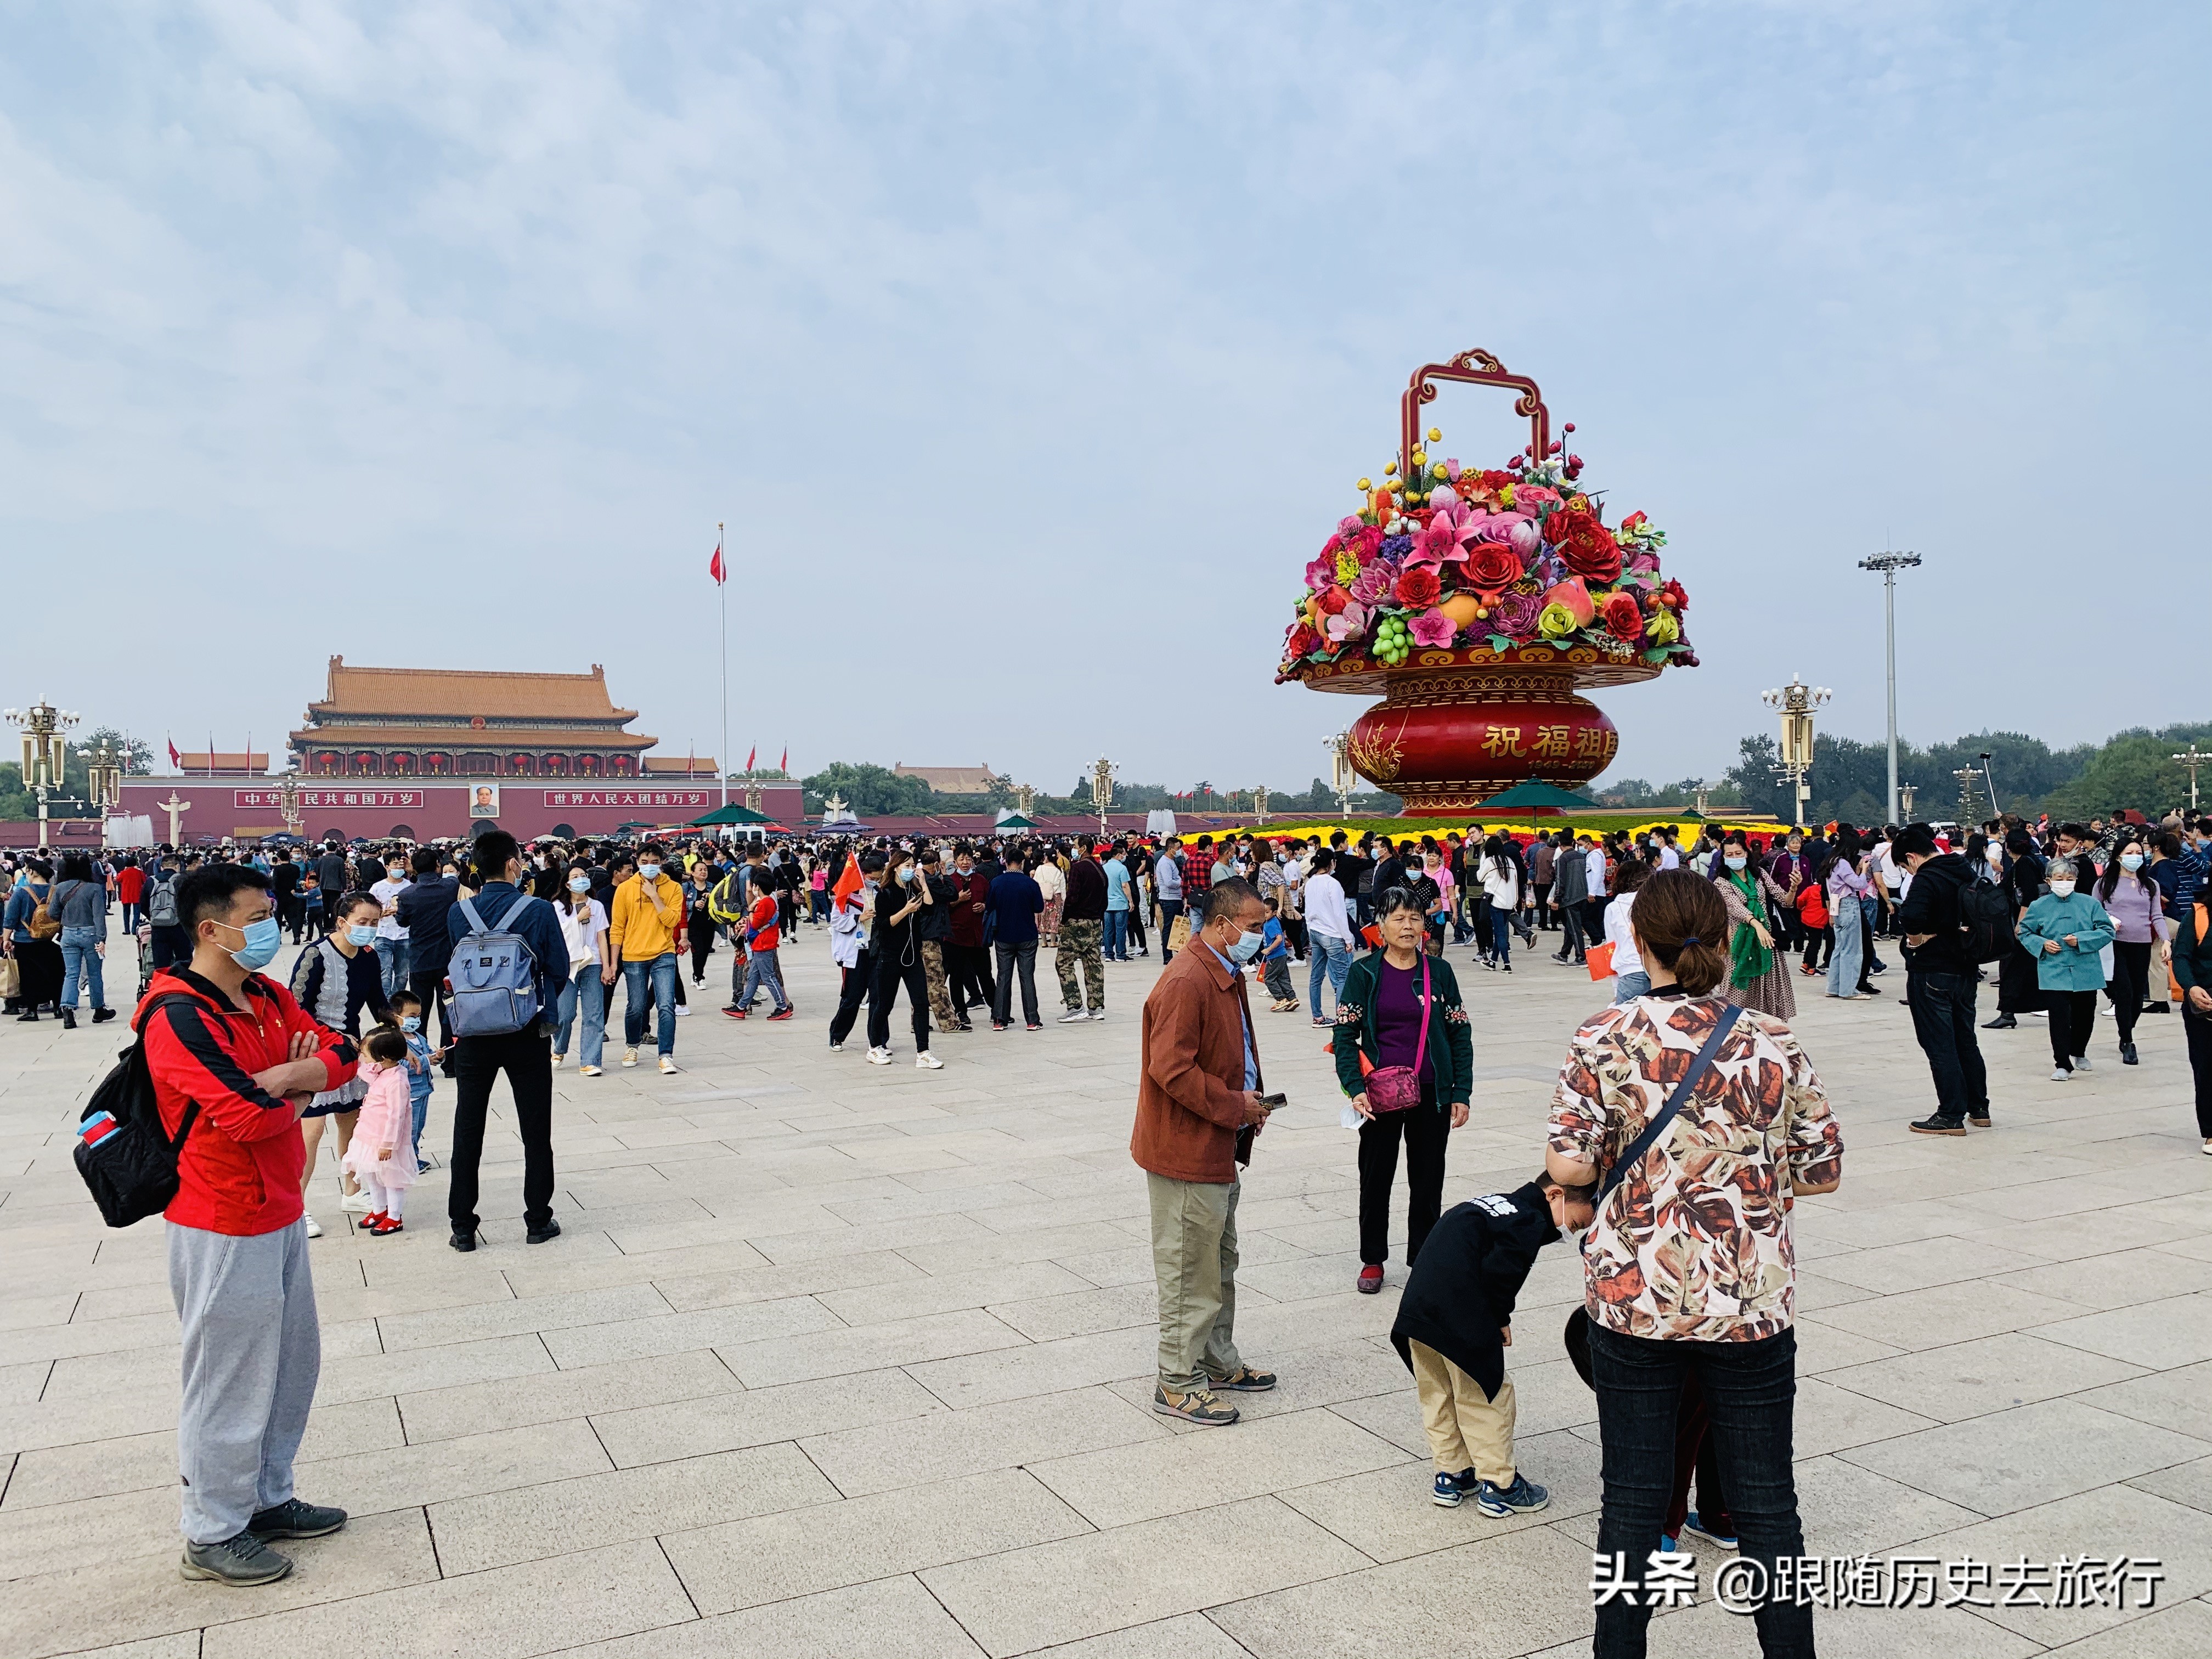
1029	351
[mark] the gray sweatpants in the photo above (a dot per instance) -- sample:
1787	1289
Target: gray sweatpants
252	1352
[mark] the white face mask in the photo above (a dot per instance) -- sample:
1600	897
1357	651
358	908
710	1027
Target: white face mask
2063	888
2132	860
1737	861
650	871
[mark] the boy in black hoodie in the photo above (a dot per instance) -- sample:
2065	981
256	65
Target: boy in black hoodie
1455	1322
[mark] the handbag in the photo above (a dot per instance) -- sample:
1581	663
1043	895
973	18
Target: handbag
1398	1088
1575	1336
11	978
1179	932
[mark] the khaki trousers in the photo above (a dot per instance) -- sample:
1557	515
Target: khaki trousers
1194	1263
1465	1430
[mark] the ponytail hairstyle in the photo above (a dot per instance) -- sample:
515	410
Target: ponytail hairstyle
1683	926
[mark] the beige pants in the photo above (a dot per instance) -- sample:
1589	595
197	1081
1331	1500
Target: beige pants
1465	1430
1195	1263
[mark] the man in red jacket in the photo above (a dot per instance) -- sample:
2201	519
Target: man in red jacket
233	1049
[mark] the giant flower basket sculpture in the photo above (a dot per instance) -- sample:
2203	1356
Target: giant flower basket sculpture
1478	602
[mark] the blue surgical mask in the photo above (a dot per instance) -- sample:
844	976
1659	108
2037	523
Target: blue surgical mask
1736	861
580	884
2132	860
410	1023
650	871
1247	946
264	938
357	935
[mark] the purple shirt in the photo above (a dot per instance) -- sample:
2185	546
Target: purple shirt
1398	1014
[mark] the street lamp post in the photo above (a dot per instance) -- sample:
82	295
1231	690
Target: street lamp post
1260	802
1905	793
1796	702
1102	789
1889	564
1339	769
2192	759
1969	798
44	751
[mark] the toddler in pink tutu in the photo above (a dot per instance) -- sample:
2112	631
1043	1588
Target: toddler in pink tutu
381	1155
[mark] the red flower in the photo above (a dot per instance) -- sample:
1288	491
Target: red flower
1623	620
1491	565
1333	601
1586	546
1370	542
1419	588
1304	642
1676	598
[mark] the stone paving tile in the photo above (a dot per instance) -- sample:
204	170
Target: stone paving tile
901	1621
2179	1400
941	1445
724	1422
1187	1636
681	1333
1989	1374
2177	1331
824	1546
407	1477
2014	1460
2183	1630
478	1408
1106	1581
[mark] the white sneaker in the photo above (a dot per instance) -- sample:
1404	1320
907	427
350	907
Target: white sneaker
354	1203
2060	1075
928	1062
668	1066
879	1056
314	1230
682	1009
1072	1016
2081	1063
588	1071
836	1048
1097	1013
629	1056
557	1059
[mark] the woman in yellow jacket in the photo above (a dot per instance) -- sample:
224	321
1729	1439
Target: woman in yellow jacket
648	910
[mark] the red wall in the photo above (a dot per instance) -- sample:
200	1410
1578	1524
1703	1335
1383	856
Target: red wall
376	808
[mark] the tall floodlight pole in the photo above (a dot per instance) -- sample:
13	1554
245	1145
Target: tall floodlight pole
1889	564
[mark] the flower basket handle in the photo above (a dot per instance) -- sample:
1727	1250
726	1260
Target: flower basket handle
1475	367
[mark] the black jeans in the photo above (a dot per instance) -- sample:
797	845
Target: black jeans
1022	959
526	1057
1424	1130
2130	986
1169	909
890	973
2197	1028
2073	1022
1543	891
171	947
969	966
430	989
1749	1391
860	980
1943	1019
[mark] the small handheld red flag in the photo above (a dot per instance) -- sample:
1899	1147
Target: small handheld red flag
715	568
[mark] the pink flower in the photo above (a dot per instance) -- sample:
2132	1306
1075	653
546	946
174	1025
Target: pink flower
1525	538
1322	572
1349	623
1432	627
1515	615
1435	542
1499	526
1374	581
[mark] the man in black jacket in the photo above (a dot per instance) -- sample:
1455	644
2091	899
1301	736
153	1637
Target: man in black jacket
1939	983
1455	1322
423	907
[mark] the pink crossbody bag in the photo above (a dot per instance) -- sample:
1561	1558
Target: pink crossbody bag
1398	1088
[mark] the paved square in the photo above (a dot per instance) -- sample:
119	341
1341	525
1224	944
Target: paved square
836	1358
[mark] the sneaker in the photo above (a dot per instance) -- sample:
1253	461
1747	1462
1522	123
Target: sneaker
1322	1021
1245	1380
1523	1496
101	1015
997	1026
836	1048
1446	1492
244	1559
734	1012
589	1071
879	1056
293	1519
668	1066
1698	1529
1097	1013
2128	1055
463	1241
557	1059
1074	1016
928	1062
784	1013
682	1009
539	1235
1667	1542
1371	1278
354	1203
2081	1063
1198	1406
629	1057
314	1227
1936	1124
1034	1025
2062	1075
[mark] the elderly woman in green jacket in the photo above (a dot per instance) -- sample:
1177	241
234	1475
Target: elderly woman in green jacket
1401	1007
2066	932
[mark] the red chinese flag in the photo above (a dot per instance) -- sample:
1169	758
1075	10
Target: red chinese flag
751	755
716	569
784	765
175	759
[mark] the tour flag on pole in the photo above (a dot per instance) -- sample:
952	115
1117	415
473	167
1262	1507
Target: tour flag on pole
715	568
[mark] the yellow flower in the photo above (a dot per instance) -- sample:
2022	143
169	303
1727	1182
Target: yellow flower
1347	564
1435	434
1661	628
1390	469
1555	622
1505	495
1364	486
1420	458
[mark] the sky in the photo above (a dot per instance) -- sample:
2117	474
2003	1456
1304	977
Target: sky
1029	351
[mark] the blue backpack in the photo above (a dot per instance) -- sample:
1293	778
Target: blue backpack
494	976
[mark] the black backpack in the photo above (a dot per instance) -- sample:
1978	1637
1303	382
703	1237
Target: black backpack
131	1169
1985	918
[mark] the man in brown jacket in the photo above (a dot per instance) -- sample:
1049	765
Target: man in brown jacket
1198	1085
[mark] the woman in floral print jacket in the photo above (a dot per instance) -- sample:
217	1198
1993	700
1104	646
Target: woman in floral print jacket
1689	1266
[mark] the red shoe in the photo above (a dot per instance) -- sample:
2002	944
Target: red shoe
368	1223
1371	1278
385	1225
734	1012
784	1013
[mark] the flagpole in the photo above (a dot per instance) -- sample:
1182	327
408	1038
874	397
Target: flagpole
722	598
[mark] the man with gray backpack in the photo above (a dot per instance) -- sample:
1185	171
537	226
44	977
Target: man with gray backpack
505	974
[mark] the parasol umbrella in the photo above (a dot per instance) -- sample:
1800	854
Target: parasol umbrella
1535	797
733	813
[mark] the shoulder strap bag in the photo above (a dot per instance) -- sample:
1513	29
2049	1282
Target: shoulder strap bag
1398	1088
